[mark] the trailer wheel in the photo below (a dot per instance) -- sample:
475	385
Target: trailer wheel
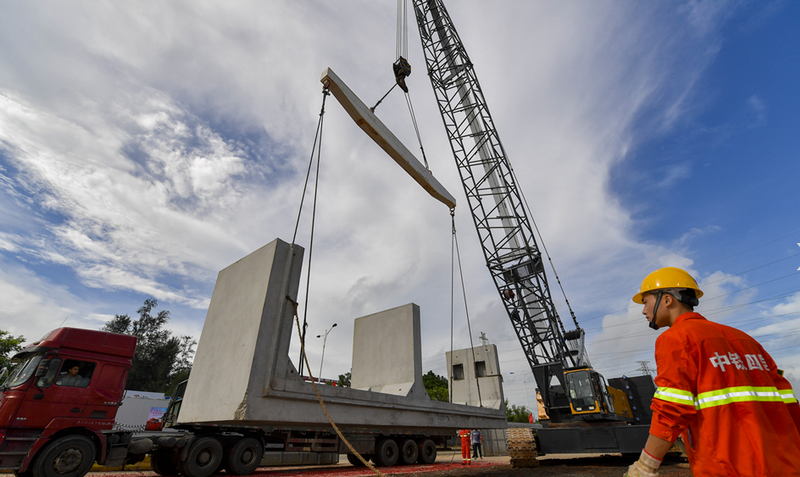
409	451
427	452
203	459
356	461
244	456
386	453
70	456
163	464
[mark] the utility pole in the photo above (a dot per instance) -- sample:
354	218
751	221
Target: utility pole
645	368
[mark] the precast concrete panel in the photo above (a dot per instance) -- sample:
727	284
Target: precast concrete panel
242	374
238	345
387	352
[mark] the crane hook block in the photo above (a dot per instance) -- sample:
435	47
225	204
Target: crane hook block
402	69
384	138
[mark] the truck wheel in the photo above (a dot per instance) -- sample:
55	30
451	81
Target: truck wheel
70	456
162	463
244	456
386	453
427	452
356	461
409	451
204	457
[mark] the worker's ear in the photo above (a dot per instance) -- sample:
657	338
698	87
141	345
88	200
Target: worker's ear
667	299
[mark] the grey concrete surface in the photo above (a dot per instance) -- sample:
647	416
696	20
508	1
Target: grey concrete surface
242	373
475	377
387	353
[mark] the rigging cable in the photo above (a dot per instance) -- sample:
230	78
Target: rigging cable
317	136
416	129
466	308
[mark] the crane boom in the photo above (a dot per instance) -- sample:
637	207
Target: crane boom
504	229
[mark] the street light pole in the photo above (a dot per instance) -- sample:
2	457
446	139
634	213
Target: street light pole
525	383
324	340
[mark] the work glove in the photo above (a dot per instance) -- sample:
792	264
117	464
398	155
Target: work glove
646	466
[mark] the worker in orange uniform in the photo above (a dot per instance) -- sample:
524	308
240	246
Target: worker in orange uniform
717	388
465	436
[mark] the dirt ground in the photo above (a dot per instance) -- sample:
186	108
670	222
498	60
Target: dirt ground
448	465
608	465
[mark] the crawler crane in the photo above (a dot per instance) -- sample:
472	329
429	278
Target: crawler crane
585	414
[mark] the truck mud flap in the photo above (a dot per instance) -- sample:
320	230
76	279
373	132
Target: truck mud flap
583	440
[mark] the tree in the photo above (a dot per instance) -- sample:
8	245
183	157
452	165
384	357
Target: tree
436	386
344	379
8	346
516	413
161	360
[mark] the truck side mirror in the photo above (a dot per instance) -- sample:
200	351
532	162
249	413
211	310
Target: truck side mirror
43	367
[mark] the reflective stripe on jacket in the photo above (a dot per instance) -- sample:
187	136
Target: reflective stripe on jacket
720	390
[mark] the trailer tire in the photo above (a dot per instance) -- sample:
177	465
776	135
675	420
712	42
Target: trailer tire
409	452
356	461
70	456
386	453
203	459
162	463
427	452
244	456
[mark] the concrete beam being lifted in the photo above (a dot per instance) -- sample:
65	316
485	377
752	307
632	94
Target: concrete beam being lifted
384	138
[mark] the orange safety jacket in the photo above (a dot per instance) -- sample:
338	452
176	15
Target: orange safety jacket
721	392
466	449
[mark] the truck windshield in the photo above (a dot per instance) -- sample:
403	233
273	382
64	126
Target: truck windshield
22	372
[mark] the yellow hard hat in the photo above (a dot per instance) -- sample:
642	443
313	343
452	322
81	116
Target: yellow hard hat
667	277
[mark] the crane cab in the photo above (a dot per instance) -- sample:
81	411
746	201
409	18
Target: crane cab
591	399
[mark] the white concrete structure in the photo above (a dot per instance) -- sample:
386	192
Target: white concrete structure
242	374
387	353
480	384
384	138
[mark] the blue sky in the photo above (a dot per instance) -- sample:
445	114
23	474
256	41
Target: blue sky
144	149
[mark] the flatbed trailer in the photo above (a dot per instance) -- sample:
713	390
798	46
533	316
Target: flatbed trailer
245	396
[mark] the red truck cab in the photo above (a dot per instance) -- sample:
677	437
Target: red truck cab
58	405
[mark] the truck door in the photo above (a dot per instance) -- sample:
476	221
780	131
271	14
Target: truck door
106	392
57	395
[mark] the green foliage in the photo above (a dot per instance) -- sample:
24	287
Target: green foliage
161	360
436	386
344	380
516	413
8	346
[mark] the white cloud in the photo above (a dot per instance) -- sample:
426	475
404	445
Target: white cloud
157	145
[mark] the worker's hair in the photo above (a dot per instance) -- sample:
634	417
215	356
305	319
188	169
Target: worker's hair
687	296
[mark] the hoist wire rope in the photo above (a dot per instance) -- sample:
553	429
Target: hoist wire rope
416	129
466	307
318	145
325	94
402	30
301	333
452	299
322	402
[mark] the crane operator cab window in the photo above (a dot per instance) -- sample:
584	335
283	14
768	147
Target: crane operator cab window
581	392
